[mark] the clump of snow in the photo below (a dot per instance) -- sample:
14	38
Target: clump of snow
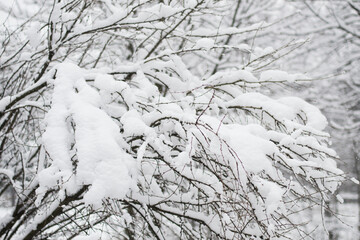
279	76
313	117
134	125
354	180
245	141
205	43
101	161
4	102
339	198
272	194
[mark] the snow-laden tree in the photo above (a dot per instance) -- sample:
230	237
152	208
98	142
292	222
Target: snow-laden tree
145	120
332	56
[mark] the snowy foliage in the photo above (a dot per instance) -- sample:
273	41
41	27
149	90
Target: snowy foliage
146	119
